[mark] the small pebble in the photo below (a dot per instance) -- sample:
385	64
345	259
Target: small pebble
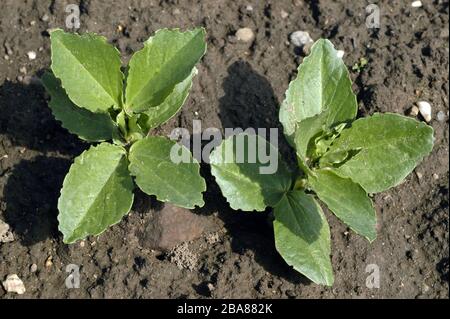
32	23
49	262
301	38
416	4
23	70
176	11
340	53
425	110
435	176
440	116
82	243
249	8
245	35
14	284
6	57
33	268
31	55
45	18
210	286
419	175
284	14
414	111
6	236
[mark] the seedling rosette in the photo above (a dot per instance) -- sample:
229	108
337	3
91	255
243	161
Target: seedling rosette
340	161
94	99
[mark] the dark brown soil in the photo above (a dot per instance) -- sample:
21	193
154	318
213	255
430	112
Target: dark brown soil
238	85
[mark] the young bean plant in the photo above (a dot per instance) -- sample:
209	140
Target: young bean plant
94	99
340	161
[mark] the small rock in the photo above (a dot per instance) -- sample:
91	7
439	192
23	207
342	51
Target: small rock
284	14
176	11
440	116
416	4
31	55
23	70
414	111
14	284
425	110
249	8
425	288
172	226
45	18
6	235
8	48
33	268
245	35
82	243
210	286
340	53
49	262
419	175
32	22
301	38
435	176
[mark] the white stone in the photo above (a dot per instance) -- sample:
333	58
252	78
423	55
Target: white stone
14	284
414	111
284	14
416	4
425	110
245	35
31	55
301	38
340	53
6	235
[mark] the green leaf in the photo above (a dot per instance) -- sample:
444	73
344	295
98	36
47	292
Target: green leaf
166	60
97	192
160	114
347	200
307	130
245	181
322	83
302	237
387	146
89	69
89	126
158	174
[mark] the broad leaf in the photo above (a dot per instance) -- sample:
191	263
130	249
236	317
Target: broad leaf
89	126
302	236
89	69
246	182
160	114
387	148
322	83
347	200
157	173
97	192
166	60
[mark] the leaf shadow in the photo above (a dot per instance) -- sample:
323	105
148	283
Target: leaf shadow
28	122
31	194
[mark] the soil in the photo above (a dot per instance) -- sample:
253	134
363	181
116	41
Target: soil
239	85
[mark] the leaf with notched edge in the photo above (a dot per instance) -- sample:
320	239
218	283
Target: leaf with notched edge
97	192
